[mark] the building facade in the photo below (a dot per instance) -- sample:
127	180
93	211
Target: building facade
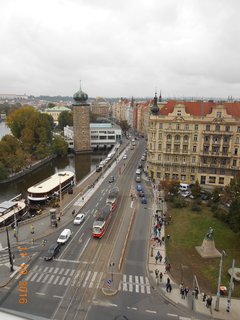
55	112
192	141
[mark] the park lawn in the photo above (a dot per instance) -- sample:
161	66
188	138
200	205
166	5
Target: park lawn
187	230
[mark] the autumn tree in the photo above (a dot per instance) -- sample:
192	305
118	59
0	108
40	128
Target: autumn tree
124	126
59	146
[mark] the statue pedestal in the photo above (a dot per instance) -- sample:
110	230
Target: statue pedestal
208	250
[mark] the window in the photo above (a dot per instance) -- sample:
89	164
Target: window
217	127
183	169
193	159
159	147
177	138
235	151
194	149
185	138
159	157
205	149
234	163
185	148
193	169
183	177
238	129
206	138
176	148
221	180
216	139
196	127
237	140
186	126
195	138
205	161
223	161
160	125
179	112
160	136
219	114
212	179
169	137
158	175
227	128
175	158
225	139
192	178
207	127
184	159
178	126
168	148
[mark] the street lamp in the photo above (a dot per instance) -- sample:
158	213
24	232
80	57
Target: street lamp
60	195
9	251
219	281
111	265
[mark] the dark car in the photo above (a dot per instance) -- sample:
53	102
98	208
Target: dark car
52	251
141	194
111	179
98	168
144	200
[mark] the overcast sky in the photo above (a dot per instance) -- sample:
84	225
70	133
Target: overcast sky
120	48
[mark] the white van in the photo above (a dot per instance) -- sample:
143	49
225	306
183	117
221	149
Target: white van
64	236
184	187
138	172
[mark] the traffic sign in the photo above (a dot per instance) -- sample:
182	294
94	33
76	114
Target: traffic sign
109	282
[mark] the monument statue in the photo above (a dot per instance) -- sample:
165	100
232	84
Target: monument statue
209	234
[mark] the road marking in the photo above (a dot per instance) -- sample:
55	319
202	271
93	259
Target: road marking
86	279
40	277
45	278
65	260
67	281
59	297
151	311
142	284
61	281
130	285
56	270
93	279
100	278
124	282
172	315
51	278
136	281
61	271
56	280
40	293
72	272
66	272
34	277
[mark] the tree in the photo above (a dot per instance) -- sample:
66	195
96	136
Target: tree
124	126
3	172
234	215
65	119
59	146
196	189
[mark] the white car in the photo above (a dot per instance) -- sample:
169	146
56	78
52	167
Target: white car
79	218
125	157
64	236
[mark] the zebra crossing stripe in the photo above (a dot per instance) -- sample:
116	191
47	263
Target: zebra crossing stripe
66	272
56	280
45	269
130	283
147	285
142	286
61	271
40	277
62	280
93	279
124	282
72	272
56	270
99	279
34	276
86	279
137	286
51	269
67	281
51	279
45	278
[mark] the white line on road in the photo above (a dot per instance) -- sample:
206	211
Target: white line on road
40	293
151	311
59	297
172	315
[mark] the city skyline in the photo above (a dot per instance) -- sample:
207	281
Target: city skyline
125	49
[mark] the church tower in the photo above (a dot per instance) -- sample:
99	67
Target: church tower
81	123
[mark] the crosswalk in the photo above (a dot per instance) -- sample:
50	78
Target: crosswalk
4	258
62	276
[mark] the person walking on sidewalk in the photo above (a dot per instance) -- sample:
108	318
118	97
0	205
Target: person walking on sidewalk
32	229
160	276
157	276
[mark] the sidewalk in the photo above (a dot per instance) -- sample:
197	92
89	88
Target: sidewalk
194	306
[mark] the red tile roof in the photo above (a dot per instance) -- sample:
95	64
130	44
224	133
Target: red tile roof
199	108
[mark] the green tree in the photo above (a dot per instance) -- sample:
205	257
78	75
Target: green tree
59	146
234	215
65	119
196	189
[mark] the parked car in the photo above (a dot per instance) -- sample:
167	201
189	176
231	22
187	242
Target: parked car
139	165
138	172
141	194
144	200
64	236
111	179
139	187
138	179
125	157
53	250
98	168
79	218
186	194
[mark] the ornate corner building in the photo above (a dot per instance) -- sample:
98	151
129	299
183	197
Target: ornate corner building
191	141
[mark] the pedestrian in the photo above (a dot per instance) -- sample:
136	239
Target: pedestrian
160	276
182	292
196	292
160	258
156	273
169	287
73	212
168	237
204	297
32	229
180	287
156	259
163	238
209	302
186	290
15	233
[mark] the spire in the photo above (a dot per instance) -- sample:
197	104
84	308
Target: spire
160	97
154	109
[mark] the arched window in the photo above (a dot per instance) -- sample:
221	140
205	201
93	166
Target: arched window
185	138
177	138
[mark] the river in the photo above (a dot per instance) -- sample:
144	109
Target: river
80	164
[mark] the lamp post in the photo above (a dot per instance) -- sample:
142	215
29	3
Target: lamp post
9	251
60	196
111	265
219	281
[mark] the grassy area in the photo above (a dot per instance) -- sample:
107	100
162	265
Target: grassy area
187	230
